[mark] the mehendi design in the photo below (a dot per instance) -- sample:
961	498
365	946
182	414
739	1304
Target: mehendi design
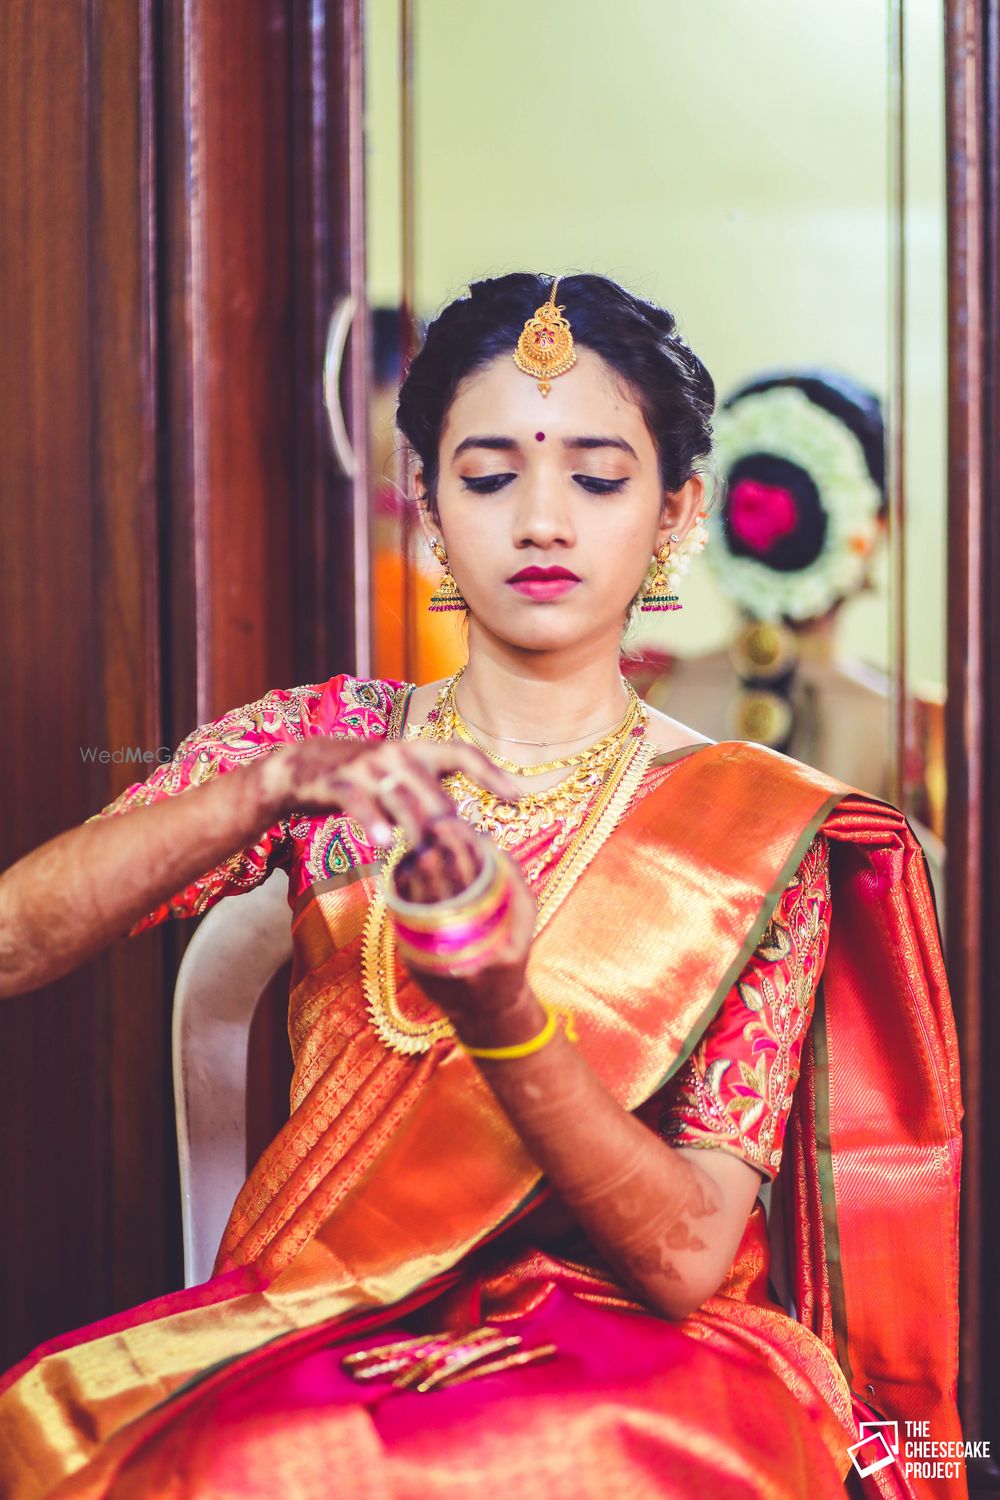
312	849
653	1262
652	1258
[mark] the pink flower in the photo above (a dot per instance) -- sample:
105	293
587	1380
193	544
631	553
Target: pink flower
761	514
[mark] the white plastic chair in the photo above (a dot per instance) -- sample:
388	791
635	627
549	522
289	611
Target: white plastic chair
238	948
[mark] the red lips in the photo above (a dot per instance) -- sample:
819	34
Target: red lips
542	574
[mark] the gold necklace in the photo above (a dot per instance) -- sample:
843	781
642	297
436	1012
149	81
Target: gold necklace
461	729
512	822
411	1037
449	717
510	739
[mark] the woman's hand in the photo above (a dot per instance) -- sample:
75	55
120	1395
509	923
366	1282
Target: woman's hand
384	783
492	1005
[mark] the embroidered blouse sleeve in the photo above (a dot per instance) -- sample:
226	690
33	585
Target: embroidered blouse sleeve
734	1093
281	716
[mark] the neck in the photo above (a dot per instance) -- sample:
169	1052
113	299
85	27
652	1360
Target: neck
555	696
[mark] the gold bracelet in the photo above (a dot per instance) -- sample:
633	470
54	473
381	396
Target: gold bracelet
553	1015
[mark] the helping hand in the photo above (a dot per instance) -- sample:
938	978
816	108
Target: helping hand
377	783
380	784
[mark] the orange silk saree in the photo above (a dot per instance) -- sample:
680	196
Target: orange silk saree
237	1387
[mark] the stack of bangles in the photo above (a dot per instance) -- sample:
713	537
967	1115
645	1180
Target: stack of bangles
458	935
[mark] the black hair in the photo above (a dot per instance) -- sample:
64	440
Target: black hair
638	339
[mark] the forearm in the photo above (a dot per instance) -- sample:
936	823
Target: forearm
75	894
652	1213
67	900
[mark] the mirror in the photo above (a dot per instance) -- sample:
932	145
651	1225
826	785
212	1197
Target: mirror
742	166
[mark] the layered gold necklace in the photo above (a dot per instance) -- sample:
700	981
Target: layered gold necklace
456	726
511	823
588	803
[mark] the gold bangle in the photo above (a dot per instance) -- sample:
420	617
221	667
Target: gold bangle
553	1015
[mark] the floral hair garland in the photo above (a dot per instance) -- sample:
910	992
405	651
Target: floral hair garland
694	540
785	423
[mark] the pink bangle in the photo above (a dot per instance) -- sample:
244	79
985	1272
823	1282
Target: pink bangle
456	936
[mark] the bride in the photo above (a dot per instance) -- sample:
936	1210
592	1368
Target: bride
557	1019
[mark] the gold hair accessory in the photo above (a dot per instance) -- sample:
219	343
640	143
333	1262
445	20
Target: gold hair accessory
545	348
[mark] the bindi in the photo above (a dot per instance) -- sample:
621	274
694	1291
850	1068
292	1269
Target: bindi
539	437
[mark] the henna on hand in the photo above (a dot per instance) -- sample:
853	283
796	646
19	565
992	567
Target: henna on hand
659	1218
442	865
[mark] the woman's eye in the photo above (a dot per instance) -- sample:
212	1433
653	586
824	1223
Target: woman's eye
486	484
595	486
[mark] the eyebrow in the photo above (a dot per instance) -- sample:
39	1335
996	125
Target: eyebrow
494	444
601	442
508	445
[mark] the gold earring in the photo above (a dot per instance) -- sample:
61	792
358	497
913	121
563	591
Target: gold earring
447	595
657	591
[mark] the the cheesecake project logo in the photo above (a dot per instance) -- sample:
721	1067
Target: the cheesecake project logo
918	1455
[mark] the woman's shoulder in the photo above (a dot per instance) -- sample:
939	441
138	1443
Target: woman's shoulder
344	704
668	735
347	704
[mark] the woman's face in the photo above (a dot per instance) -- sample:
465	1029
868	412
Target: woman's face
567	483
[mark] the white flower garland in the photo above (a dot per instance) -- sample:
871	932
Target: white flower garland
783	421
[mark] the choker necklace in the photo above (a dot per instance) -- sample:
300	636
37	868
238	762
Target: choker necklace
447	717
509	739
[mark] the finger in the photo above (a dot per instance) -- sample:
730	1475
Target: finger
404	794
417	878
458	843
413	805
357	804
521	920
443	865
404	786
454	756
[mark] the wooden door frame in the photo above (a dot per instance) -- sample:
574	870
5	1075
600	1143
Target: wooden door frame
972	30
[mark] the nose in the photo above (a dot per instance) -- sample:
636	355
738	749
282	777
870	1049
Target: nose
543	514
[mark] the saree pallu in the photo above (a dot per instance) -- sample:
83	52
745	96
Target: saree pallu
740	1394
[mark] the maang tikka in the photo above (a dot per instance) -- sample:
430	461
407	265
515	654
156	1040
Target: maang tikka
545	347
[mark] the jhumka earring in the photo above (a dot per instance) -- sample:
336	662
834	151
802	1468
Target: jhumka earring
658	590
672	562
447	595
545	347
